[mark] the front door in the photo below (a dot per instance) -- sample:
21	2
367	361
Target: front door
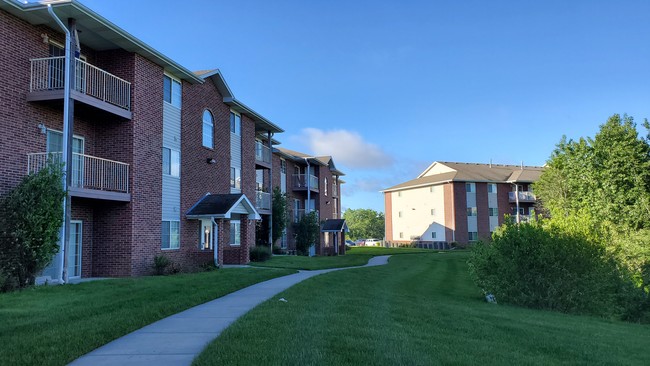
74	250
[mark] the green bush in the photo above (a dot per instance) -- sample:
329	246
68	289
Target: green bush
160	264
552	268
277	250
30	219
307	232
260	254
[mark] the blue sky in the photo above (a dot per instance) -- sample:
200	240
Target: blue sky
387	87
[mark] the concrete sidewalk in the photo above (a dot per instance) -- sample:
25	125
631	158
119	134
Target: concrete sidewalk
178	339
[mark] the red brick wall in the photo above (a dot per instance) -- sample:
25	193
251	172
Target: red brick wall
450	223
503	200
460	214
248	178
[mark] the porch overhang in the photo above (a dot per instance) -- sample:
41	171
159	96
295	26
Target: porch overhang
222	206
334	226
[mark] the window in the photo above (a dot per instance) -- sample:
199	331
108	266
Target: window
399	194
399	214
283	166
432	189
171	161
492	188
433	235
172	91
493	211
471	211
472	236
401	235
235	178
235	123
433	212
208	129
235	232
325	184
170	235
205	235
470	187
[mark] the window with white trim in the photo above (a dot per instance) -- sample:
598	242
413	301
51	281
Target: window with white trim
208	129
401	235
171	162
433	212
493	211
325	184
471	211
170	235
492	188
433	235
172	91
399	214
235	123
235	232
472	236
470	187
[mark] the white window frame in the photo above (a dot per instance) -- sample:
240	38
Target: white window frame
470	187
325	185
169	168
469	236
203	236
207	124
401	235
236	224
433	212
494	210
472	212
399	214
172	245
234	174
176	94
492	188
433	235
234	126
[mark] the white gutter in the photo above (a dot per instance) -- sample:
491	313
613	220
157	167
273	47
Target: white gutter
63	275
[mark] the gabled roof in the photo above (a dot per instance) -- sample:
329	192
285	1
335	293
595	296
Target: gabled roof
443	172
96	31
334	226
300	157
218	80
222	206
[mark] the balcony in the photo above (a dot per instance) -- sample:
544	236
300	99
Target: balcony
299	214
524	196
262	154
92	177
91	85
262	200
300	182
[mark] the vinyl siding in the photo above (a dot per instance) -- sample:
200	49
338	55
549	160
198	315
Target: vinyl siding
171	186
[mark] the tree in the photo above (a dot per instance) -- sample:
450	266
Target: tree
280	213
306	232
30	220
609	176
364	223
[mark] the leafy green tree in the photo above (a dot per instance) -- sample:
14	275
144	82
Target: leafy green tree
306	232
364	223
30	218
280	213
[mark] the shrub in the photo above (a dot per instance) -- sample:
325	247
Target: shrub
160	264
30	219
551	268
306	232
277	250
260	254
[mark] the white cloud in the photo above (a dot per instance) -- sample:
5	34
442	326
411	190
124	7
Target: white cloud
347	148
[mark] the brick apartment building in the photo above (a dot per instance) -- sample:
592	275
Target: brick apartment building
311	183
165	160
458	202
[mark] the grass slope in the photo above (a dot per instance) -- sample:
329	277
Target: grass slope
418	310
53	325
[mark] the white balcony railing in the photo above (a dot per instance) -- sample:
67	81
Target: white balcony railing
262	152
262	200
300	181
88	172
48	74
524	196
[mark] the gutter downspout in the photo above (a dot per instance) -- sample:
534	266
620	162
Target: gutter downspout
66	156
308	178
269	136
517	202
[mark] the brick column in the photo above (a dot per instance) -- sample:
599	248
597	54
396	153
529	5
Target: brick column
221	241
246	238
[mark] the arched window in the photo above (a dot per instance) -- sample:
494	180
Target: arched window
208	129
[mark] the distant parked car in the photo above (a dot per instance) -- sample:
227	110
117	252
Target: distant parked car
350	243
360	242
373	242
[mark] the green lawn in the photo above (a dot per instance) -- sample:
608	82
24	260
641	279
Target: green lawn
357	256
53	325
418	310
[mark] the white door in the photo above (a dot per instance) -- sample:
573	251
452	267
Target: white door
74	250
215	244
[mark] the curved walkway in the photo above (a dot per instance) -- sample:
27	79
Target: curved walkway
178	339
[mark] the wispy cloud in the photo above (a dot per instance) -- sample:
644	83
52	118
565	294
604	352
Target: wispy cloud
348	148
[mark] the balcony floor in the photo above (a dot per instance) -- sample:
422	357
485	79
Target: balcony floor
100	195
57	95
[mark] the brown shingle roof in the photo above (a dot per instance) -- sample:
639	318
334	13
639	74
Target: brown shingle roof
474	172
